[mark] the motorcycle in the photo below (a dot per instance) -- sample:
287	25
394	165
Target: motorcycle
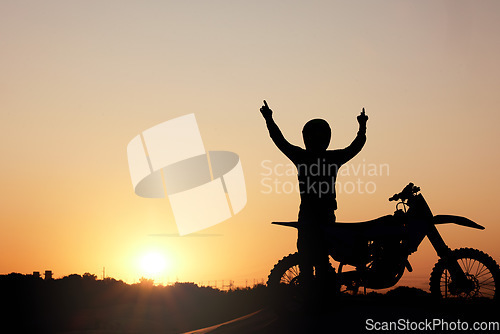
378	250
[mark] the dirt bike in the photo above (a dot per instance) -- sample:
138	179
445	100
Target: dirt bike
378	251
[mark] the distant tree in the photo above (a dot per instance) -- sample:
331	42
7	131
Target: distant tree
111	280
186	285
15	276
72	277
90	277
146	281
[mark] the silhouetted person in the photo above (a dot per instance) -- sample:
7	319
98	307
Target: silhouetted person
317	170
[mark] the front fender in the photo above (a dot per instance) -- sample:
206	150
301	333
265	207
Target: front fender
447	219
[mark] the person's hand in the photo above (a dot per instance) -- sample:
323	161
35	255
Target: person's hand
265	111
362	118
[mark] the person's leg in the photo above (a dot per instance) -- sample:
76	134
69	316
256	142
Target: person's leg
324	270
322	263
305	246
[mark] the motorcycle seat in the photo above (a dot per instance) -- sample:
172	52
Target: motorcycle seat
382	227
387	220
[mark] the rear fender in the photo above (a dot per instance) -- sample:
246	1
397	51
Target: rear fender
288	224
447	219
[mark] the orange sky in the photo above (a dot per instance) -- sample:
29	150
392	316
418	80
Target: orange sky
80	79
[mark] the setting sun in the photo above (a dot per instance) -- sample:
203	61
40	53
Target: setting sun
153	263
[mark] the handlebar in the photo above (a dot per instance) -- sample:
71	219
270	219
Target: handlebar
408	191
394	197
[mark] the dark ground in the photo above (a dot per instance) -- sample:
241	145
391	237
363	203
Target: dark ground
365	314
84	305
76	304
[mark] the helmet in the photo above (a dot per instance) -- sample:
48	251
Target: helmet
317	135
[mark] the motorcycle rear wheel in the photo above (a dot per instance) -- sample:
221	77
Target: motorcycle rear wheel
480	269
284	285
288	294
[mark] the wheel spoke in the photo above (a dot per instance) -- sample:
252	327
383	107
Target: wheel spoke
472	265
487	281
485	278
483	272
487	287
289	275
286	277
465	265
479	271
487	293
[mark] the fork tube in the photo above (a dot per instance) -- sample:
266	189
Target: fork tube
444	252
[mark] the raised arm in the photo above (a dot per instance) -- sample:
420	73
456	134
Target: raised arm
357	144
275	132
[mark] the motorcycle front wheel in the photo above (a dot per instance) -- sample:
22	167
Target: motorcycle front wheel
480	269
